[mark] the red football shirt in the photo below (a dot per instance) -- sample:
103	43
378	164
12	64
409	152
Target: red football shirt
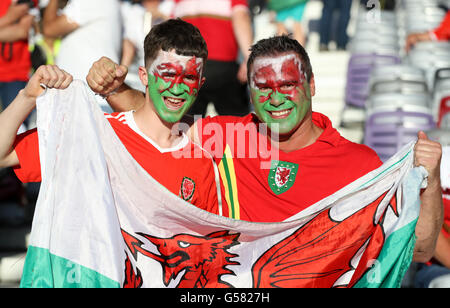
15	61
185	170
443	31
270	186
213	19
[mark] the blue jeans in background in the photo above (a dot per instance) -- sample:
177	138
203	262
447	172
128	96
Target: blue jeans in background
326	22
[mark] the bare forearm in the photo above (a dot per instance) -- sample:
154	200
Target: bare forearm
243	30
13	33
55	25
10	120
128	52
429	224
126	99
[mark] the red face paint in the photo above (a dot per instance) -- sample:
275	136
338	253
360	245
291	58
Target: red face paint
285	80
177	74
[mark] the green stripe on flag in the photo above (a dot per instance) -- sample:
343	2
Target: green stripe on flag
45	270
394	260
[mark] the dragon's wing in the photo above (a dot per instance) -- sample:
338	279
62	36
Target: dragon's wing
321	251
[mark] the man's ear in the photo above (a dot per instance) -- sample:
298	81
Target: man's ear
312	85
202	82
143	75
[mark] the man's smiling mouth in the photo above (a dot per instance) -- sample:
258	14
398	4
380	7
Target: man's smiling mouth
282	114
174	103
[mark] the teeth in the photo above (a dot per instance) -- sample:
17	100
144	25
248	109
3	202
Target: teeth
174	100
280	113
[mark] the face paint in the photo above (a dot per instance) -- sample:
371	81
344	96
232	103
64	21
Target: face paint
280	92
173	84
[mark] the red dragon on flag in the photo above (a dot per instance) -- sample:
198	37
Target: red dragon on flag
316	255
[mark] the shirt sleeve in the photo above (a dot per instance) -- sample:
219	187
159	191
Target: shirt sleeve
27	150
442	33
239	4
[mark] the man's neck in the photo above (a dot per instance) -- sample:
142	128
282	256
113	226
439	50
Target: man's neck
305	135
151	125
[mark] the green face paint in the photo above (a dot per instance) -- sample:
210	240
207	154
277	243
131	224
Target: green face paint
173	84
280	92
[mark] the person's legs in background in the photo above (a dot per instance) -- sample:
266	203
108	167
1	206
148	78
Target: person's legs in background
326	23
344	18
223	89
295	14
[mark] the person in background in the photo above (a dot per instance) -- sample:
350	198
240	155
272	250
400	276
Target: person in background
139	16
15	68
15	62
441	33
44	48
326	23
227	29
289	9
89	30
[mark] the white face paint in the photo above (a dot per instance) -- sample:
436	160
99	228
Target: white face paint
265	68
171	62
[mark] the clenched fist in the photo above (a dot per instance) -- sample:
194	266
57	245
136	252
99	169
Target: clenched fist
50	76
428	154
105	76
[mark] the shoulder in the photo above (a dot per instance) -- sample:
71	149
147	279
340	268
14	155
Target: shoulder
360	155
116	117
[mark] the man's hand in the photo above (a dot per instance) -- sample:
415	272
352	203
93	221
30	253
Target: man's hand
16	11
413	38
428	154
50	76
106	76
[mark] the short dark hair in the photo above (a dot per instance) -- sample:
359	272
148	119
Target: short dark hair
176	34
276	45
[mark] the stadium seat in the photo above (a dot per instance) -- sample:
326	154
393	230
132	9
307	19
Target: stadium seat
387	132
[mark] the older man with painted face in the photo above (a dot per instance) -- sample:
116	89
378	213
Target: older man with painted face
285	157
175	52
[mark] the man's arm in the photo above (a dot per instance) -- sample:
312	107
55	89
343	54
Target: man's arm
55	25
17	31
107	78
242	28
428	154
16	113
15	13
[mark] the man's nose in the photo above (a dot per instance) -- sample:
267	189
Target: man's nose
277	98
177	87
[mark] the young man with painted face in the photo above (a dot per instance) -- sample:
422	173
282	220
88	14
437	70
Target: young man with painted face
175	53
310	161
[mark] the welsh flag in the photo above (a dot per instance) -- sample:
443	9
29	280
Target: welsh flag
102	221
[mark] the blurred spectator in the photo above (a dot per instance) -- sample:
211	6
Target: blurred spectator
227	29
138	18
44	48
89	29
15	67
15	62
289	9
441	33
326	23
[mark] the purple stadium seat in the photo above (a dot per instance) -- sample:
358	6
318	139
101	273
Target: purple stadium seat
358	74
388	132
